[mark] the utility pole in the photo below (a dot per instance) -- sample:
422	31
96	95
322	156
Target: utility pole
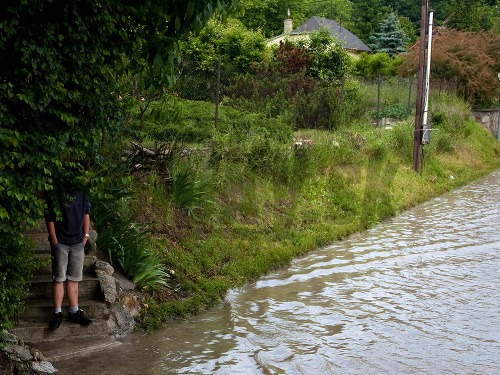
417	134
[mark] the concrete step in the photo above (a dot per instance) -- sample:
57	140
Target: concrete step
41	288
41	310
35	332
57	351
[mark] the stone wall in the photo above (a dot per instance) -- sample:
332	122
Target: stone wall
489	118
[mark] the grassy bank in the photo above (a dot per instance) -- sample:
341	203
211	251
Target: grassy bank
246	200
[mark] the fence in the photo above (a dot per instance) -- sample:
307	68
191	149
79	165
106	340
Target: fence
304	101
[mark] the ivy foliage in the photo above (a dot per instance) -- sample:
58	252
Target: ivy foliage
59	98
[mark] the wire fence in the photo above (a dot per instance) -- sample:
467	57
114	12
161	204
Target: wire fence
304	101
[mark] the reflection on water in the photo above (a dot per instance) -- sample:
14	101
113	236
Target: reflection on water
415	295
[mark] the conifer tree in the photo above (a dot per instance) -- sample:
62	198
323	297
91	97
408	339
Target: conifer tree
391	38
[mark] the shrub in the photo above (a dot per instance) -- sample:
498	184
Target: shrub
397	111
449	114
16	254
442	142
259	143
375	64
468	60
329	107
401	139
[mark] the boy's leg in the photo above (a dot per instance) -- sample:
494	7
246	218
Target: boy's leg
75	275
59	255
57	293
72	292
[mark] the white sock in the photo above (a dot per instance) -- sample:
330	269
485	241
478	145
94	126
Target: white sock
58	310
73	309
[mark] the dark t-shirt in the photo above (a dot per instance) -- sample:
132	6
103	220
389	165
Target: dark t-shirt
69	231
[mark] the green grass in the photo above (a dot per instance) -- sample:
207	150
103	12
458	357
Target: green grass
269	202
394	97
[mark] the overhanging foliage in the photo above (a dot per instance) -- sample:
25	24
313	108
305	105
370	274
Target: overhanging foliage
59	64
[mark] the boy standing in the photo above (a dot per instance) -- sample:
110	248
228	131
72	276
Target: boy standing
67	237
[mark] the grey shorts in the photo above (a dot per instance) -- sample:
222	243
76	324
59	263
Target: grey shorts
67	262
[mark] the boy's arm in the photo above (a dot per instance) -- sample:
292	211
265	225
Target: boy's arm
86	227
51	228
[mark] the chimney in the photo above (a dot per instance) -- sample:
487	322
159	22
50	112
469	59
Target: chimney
288	24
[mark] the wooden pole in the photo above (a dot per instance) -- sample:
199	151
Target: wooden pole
417	134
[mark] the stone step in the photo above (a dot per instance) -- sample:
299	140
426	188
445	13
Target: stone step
58	351
41	288
45	264
35	332
41	310
41	240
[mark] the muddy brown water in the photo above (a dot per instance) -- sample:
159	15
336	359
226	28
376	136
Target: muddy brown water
418	294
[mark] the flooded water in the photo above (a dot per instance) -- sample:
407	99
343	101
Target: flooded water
418	294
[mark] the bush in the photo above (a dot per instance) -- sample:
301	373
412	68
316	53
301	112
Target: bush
178	119
259	143
262	92
16	265
450	115
442	142
401	140
329	107
375	64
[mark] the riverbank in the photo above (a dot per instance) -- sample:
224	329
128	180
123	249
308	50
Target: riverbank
257	214
415	290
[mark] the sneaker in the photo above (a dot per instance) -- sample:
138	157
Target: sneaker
79	317
55	320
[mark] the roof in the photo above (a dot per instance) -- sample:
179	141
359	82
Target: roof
349	40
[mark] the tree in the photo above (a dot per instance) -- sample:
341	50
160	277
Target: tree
329	61
59	97
469	15
339	10
391	38
468	60
410	9
366	18
374	64
409	29
268	15
231	40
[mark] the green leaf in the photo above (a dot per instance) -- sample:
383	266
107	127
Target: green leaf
4	214
190	9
